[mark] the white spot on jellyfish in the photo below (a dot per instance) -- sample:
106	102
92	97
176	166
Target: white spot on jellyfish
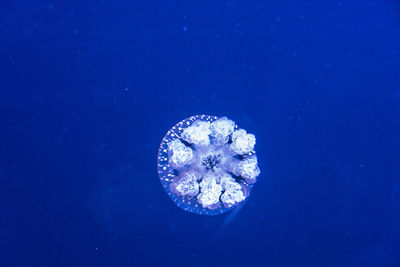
242	142
210	192
233	194
179	154
198	133
246	168
221	130
207	165
186	185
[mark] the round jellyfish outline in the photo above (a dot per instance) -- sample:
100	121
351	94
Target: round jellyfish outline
207	164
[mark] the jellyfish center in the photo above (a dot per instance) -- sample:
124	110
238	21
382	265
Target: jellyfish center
212	161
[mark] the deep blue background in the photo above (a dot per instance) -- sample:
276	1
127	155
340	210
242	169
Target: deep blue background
89	88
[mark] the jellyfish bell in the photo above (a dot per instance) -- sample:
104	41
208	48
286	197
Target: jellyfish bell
207	165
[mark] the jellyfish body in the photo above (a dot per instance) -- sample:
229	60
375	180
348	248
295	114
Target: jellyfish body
207	165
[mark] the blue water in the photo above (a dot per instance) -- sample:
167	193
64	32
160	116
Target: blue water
88	89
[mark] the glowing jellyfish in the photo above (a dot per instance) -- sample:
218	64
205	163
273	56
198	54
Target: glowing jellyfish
207	165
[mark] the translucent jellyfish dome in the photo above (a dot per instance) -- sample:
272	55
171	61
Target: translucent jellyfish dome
207	165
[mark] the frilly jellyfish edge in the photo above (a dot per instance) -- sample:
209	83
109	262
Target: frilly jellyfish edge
207	165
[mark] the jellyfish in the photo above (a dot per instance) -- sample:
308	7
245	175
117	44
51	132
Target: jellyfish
207	164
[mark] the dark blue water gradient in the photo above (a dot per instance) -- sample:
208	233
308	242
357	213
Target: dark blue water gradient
89	88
